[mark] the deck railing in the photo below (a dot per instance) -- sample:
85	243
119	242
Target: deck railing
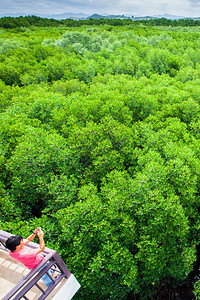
52	260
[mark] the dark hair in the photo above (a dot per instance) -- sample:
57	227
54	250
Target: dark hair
13	241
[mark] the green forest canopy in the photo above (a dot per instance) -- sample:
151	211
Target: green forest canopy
100	146
28	21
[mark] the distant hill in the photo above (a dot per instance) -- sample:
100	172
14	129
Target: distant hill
171	17
50	16
96	16
66	16
166	16
82	16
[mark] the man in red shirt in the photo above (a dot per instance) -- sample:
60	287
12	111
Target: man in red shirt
27	256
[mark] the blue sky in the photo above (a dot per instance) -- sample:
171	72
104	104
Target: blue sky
128	7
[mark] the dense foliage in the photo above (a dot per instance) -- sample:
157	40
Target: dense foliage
28	21
100	146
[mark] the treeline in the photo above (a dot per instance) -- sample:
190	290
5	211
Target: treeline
167	22
28	21
100	146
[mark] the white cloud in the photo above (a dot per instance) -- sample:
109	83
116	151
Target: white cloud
133	7
195	3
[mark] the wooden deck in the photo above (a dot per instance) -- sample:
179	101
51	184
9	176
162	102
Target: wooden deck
11	272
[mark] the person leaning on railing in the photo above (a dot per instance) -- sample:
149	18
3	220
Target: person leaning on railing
27	256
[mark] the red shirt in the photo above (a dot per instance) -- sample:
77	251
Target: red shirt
28	257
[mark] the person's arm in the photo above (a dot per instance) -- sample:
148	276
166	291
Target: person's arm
41	241
31	237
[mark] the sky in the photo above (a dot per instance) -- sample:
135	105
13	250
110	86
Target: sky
187	8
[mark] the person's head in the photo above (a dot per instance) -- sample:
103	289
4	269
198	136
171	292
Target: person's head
13	242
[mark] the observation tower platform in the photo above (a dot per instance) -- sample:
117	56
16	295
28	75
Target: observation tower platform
17	282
